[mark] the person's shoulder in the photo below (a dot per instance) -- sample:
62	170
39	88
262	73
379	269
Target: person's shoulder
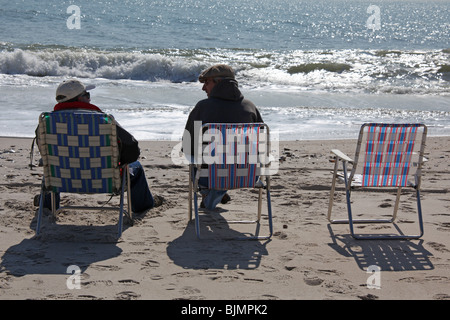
248	102
202	104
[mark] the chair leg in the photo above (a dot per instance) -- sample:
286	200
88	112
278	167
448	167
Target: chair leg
269	215
197	216
397	201
419	213
349	211
120	224
387	236
259	203
191	172
256	237
333	187
348	200
269	210
129	204
41	209
53	204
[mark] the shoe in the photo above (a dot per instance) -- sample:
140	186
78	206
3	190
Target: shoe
225	198
157	201
36	200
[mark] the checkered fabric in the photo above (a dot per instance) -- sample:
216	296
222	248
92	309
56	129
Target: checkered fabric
233	154
79	152
388	152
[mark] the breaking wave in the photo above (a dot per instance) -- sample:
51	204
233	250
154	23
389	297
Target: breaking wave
395	72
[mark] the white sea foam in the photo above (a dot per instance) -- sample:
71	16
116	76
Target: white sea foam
158	110
333	71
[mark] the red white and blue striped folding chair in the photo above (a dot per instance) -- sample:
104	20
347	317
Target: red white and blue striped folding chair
235	156
80	154
387	156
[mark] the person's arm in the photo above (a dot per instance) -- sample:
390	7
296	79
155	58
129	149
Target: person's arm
128	146
258	116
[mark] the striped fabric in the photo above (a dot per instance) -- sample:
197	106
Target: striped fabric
387	154
80	152
233	153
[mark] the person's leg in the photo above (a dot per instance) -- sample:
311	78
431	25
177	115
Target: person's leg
141	197
211	198
47	200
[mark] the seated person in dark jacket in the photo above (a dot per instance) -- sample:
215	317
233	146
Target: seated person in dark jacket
225	104
72	95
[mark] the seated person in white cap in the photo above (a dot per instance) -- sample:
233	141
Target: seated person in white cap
72	95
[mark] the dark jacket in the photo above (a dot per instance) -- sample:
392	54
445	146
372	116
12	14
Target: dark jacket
225	104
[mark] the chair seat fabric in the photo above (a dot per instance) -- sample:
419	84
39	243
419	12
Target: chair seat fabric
232	158
81	152
235	150
387	156
388	153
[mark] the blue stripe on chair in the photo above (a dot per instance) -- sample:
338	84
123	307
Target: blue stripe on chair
382	155
72	121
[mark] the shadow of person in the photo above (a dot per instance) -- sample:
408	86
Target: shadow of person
218	247
389	255
59	247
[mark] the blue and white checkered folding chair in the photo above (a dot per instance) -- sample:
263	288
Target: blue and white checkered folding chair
387	156
80	154
235	156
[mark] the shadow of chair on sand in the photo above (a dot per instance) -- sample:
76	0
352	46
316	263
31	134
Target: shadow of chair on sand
218	248
388	255
60	246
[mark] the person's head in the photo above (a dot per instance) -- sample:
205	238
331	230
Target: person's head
213	75
73	90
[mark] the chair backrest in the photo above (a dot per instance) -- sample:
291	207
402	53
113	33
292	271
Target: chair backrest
235	153
389	155
79	151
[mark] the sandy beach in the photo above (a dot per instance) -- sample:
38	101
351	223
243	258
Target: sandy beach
160	258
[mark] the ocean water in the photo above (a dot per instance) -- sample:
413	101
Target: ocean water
316	69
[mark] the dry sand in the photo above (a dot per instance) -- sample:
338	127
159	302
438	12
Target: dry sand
159	256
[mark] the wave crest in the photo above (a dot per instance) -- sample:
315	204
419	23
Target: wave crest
89	64
398	72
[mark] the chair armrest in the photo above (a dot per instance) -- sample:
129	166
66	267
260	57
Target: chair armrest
341	155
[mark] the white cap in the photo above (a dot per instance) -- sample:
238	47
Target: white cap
70	89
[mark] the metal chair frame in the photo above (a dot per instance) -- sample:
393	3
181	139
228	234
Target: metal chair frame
67	142
196	171
386	142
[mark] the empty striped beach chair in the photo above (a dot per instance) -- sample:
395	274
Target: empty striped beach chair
80	154
388	157
235	156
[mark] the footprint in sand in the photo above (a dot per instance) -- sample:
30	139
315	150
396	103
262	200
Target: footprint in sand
444	226
150	264
133	261
313	281
5	282
223	278
105	268
127	295
129	282
438	246
107	283
441	296
88	297
188	290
